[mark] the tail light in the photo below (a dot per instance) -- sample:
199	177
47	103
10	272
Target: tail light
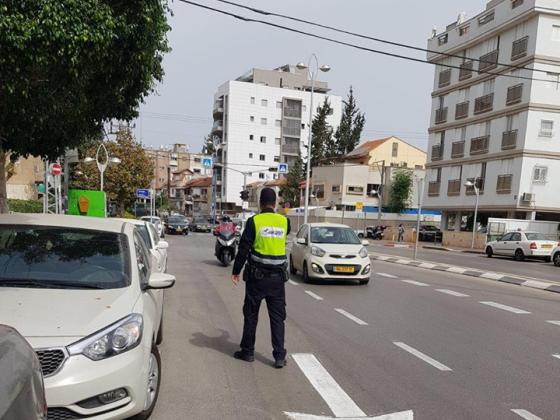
533	245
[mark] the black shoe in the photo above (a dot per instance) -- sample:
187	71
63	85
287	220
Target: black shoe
280	363
244	356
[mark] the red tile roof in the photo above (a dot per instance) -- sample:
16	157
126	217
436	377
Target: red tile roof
276	182
199	182
364	149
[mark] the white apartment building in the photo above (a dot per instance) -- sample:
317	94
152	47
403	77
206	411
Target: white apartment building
260	120
501	132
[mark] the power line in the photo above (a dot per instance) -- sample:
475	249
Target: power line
348	44
371	38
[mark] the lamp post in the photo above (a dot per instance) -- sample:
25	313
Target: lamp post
470	184
324	68
420	199
102	165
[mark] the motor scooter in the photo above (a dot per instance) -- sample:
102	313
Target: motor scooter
226	243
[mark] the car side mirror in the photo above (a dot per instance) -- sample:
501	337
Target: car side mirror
301	241
160	281
365	243
163	245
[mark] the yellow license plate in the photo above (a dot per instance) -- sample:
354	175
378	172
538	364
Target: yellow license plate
344	269
548	246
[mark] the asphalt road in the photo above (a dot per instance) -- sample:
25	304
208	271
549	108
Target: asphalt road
528	268
444	346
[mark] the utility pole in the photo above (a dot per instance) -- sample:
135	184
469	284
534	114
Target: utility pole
420	198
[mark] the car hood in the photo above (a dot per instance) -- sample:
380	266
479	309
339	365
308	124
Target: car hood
339	248
63	313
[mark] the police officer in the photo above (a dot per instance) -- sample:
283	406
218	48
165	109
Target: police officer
263	248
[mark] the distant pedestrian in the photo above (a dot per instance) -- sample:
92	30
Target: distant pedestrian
401	233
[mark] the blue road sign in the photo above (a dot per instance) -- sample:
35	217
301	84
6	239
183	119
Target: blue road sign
143	193
283	168
207	161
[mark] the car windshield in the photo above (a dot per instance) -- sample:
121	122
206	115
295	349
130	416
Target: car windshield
200	220
176	219
334	235
62	257
532	236
432	228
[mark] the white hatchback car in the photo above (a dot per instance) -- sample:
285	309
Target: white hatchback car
82	292
158	248
521	245
330	251
157	222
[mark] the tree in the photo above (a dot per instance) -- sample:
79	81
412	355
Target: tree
321	141
401	190
352	123
67	66
290	192
121	181
208	147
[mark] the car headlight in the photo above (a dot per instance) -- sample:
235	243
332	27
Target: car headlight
318	252
115	339
367	269
364	253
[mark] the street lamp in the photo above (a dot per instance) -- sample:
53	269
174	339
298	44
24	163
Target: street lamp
324	68
420	200
102	164
470	184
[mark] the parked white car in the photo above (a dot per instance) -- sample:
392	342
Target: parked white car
556	255
82	291
330	251
157	222
521	245
158	248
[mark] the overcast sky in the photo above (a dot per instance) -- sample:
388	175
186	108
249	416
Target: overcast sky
209	49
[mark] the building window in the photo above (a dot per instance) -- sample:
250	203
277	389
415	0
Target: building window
516	3
303	126
546	128
261	176
276	158
264	102
355	190
262	157
443	39
197	171
277	141
488	17
264	121
278	123
336	189
319	191
395	150
279	104
252	118
539	174
250	156
373	190
251	137
464	30
252	100
263	139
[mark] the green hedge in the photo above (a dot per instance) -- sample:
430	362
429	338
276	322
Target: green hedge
25	206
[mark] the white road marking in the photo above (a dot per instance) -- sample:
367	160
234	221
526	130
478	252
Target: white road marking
492	276
403	415
554	322
506	308
525	414
416	283
426	265
556	355
457	270
389	276
422	356
380	257
350	316
313	295
293	283
535	284
451	292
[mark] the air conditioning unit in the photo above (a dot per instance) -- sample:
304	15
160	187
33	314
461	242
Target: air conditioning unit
528	197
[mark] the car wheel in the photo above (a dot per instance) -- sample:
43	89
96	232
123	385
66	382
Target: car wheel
361	235
305	273
489	252
556	259
293	270
152	385
159	338
519	255
364	282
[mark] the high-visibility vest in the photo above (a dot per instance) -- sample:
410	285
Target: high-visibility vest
271	231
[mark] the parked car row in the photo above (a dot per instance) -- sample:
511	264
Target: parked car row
525	244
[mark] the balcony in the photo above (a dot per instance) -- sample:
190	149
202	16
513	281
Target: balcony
437	153
433	189
479	145
466	70
503	185
519	48
488	61
290	148
218	108
509	140
217	127
484	104
514	94
441	115
444	78
479	182
462	110
454	187
458	149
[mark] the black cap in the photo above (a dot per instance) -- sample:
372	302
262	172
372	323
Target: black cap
268	197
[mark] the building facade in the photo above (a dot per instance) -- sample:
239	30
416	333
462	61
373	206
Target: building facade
25	176
260	120
494	121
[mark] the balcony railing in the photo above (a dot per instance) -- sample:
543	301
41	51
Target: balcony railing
458	149
488	61
441	115
433	188
479	145
509	140
437	153
503	185
291	148
519	48
462	110
444	78
466	70
514	94
484	103
479	182
218	126
218	107
454	187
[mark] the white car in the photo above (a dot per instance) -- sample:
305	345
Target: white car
521	245
556	255
81	290
330	251
158	248
157	222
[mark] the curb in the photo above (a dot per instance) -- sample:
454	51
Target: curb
442	248
504	278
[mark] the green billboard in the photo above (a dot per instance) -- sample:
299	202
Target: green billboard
86	203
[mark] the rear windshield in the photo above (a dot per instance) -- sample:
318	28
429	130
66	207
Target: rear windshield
535	237
200	220
62	257
176	219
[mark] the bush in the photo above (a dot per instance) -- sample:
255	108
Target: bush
128	215
25	206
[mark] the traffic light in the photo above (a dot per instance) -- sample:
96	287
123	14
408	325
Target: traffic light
244	195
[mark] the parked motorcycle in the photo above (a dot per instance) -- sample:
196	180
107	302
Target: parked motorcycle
377	233
226	243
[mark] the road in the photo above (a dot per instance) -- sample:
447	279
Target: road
528	268
442	345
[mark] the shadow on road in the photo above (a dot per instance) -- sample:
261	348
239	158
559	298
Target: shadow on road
299	279
222	344
213	263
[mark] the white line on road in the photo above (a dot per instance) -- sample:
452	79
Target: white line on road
422	356
380	257
416	283
525	414
293	282
338	401
350	316
506	308
313	295
451	292
402	415
554	322
556	355
389	276
535	284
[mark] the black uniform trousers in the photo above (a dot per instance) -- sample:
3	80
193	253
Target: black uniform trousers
267	284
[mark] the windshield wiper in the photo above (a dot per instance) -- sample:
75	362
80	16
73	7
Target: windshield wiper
47	284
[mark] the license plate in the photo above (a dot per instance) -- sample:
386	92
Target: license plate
547	246
344	269
179	229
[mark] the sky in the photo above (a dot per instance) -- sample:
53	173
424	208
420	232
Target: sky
209	49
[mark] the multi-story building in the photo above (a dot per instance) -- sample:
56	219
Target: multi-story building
260	120
199	196
494	120
25	175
